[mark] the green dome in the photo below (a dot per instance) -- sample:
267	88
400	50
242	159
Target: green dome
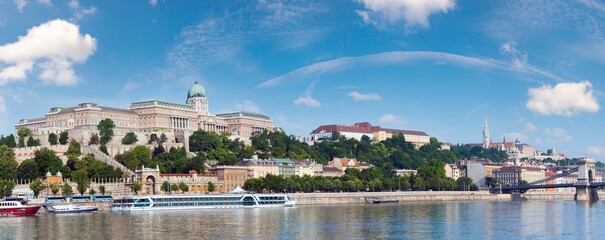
196	91
48	174
59	174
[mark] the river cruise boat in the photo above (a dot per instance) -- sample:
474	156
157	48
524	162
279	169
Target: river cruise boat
70	208
9	208
184	202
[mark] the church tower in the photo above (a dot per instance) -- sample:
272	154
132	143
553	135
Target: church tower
197	98
485	135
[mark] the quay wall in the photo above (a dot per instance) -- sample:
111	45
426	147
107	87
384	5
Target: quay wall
357	198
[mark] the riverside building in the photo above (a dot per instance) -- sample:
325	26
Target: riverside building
177	120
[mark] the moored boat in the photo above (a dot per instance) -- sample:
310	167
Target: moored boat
185	202
70	208
9	208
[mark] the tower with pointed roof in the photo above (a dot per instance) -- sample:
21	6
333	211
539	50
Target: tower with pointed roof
197	98
485	135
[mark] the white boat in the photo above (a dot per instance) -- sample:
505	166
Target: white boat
70	208
184	202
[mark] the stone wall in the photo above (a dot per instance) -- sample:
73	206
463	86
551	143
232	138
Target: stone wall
25	153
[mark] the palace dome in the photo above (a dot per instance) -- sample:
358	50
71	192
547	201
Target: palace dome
197	90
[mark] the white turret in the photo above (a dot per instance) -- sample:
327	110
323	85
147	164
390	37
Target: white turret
485	135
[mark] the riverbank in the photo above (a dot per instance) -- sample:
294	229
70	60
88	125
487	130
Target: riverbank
424	196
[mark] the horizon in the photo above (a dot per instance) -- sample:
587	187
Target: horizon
532	69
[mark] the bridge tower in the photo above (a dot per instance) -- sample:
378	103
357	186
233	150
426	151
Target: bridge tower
586	175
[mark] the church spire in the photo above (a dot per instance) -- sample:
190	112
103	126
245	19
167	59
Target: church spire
485	135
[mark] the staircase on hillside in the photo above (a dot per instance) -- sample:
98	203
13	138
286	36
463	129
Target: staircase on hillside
105	158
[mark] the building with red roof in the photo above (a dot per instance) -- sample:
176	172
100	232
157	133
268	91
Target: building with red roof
376	133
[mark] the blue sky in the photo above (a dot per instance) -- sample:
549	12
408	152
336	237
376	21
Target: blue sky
533	68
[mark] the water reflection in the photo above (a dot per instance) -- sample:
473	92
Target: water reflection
468	220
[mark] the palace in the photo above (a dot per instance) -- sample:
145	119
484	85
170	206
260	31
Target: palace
176	120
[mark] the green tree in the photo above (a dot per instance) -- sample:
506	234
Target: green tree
105	130
28	169
37	186
166	186
67	190
103	149
336	135
174	187
6	188
522	182
163	138
92	191
8	141
53	139
8	164
22	133
33	142
81	178
130	138
136	186
54	188
183	186
153	138
47	161
74	148
94	139
418	183
102	189
63	137
464	183
211	187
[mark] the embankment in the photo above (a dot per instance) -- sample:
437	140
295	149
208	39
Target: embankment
356	198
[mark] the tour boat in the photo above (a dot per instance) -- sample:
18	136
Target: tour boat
71	208
10	208
184	202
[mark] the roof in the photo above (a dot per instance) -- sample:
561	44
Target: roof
197	90
512	168
118	110
331	169
364	127
447	144
163	102
243	114
344	161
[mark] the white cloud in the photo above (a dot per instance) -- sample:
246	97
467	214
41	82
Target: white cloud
512	136
53	47
596	151
399	57
45	2
74	4
79	12
538	140
530	127
249	106
566	99
391	119
153	2
2	105
519	58
558	134
20	4
308	100
414	12
364	97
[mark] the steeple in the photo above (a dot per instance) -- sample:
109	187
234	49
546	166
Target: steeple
485	135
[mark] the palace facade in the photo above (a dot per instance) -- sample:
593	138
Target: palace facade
176	119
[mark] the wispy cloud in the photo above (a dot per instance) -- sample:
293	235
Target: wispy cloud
153	2
20	5
80	12
596	151
364	97
400	57
249	106
2	105
476	109
391	119
306	99
557	134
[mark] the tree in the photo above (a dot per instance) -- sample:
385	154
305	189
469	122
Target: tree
183	186
418	183
130	138
464	183
53	139
166	186
8	141
94	139
54	188
136	186
6	188
47	161
67	190
163	138
33	142
522	182
37	186
211	187
103	149
153	138
22	133
28	169
63	137
102	189
8	164
105	130
74	148
92	191
81	178
174	187
336	135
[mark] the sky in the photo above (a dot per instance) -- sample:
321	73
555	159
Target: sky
533	69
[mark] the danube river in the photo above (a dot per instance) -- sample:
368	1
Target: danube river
442	220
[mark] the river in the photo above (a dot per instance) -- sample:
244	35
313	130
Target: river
439	220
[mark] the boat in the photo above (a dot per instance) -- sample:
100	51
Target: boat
17	207
185	202
70	208
377	200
